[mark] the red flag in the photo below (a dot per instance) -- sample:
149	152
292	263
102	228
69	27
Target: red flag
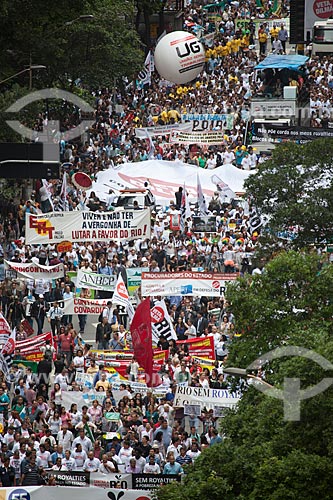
142	340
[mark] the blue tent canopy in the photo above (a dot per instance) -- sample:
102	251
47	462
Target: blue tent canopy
275	61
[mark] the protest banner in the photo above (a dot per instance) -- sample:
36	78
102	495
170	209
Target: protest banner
95	281
276	133
78	305
208	121
27	328
143	133
189	283
119	226
99	480
208	138
75	493
161	322
81	398
34	270
30	348
192	410
205	224
201	346
206	398
134	278
70	478
152	482
5	330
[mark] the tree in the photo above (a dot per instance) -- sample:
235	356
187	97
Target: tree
263	456
95	52
294	189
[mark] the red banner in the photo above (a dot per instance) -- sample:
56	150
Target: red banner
30	348
202	346
27	327
142	339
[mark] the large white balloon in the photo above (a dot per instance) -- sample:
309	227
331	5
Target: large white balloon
179	57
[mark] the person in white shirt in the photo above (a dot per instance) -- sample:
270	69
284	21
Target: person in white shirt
65	438
194	452
246	162
107	466
228	157
91	464
191	331
59	465
125	452
44	457
151	467
211	162
83	440
174	447
79	361
68	461
79	456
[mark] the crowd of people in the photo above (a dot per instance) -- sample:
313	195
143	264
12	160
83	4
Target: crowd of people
39	433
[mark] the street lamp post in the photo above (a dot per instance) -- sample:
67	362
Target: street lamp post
241	372
30	68
86	17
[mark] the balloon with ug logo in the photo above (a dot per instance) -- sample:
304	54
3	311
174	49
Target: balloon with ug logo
179	57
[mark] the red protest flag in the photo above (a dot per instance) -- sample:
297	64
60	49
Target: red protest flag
142	339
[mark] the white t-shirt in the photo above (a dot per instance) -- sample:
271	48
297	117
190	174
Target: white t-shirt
91	465
152	469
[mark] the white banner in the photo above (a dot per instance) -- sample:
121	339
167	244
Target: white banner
208	121
203	138
83	306
121	297
161	323
117	226
95	281
165	177
111	480
185	283
74	493
81	398
35	270
208	398
143	133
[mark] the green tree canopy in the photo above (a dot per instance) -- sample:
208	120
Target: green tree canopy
294	189
263	456
95	51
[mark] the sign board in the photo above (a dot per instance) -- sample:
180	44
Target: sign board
206	398
192	410
205	224
188	283
134	278
262	131
120	225
201	122
96	281
270	108
152	481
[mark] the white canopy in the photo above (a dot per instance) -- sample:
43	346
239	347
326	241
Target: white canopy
165	177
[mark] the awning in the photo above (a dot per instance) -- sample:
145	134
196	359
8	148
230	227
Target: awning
275	61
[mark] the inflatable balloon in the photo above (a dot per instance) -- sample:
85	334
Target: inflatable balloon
179	57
